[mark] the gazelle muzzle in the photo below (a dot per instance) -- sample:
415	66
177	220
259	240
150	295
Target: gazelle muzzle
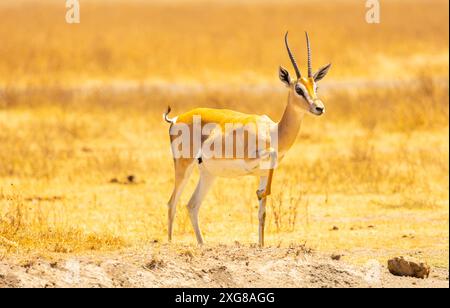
317	107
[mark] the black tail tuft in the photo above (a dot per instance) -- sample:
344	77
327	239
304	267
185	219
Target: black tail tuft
165	115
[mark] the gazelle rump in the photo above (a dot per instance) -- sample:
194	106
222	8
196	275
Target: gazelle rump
273	140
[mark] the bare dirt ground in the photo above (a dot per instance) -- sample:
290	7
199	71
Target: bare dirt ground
215	266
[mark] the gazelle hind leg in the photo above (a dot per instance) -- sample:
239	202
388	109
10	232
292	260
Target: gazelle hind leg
183	170
262	198
204	184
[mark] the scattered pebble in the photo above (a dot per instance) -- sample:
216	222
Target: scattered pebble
130	179
336	257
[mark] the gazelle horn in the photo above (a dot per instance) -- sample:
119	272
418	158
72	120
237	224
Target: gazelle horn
308	45
291	56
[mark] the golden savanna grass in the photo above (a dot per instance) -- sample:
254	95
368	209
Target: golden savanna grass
81	105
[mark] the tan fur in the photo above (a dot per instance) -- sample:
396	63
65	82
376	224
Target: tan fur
286	131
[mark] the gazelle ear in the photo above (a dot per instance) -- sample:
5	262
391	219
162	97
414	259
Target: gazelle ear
322	72
284	76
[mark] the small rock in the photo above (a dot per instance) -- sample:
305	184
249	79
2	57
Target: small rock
401	267
336	257
335	228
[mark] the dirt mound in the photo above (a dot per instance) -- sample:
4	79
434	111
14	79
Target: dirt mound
215	266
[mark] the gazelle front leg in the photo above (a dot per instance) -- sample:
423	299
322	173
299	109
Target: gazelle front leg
272	157
264	190
262	208
204	184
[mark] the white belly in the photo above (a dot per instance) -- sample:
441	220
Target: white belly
232	167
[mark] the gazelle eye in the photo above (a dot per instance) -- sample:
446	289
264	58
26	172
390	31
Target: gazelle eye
299	91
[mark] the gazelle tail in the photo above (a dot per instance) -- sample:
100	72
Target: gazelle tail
165	116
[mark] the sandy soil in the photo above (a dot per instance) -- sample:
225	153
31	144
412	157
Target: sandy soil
218	266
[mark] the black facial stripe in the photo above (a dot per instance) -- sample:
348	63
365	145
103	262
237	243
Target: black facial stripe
299	91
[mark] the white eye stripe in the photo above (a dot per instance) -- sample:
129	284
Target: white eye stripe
302	87
306	95
305	91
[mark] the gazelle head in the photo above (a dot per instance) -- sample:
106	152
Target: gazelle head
304	89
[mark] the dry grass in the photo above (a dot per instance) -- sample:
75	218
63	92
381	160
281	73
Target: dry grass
376	166
220	41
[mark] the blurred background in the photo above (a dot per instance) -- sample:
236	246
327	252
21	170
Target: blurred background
84	155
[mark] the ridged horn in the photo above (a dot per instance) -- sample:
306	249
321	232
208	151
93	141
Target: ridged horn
291	56
308	45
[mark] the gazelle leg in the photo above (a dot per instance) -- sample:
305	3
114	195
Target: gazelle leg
203	186
183	169
264	190
267	189
262	209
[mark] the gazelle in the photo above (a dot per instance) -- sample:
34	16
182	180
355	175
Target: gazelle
260	161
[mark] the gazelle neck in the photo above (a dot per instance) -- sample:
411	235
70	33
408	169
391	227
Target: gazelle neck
289	125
